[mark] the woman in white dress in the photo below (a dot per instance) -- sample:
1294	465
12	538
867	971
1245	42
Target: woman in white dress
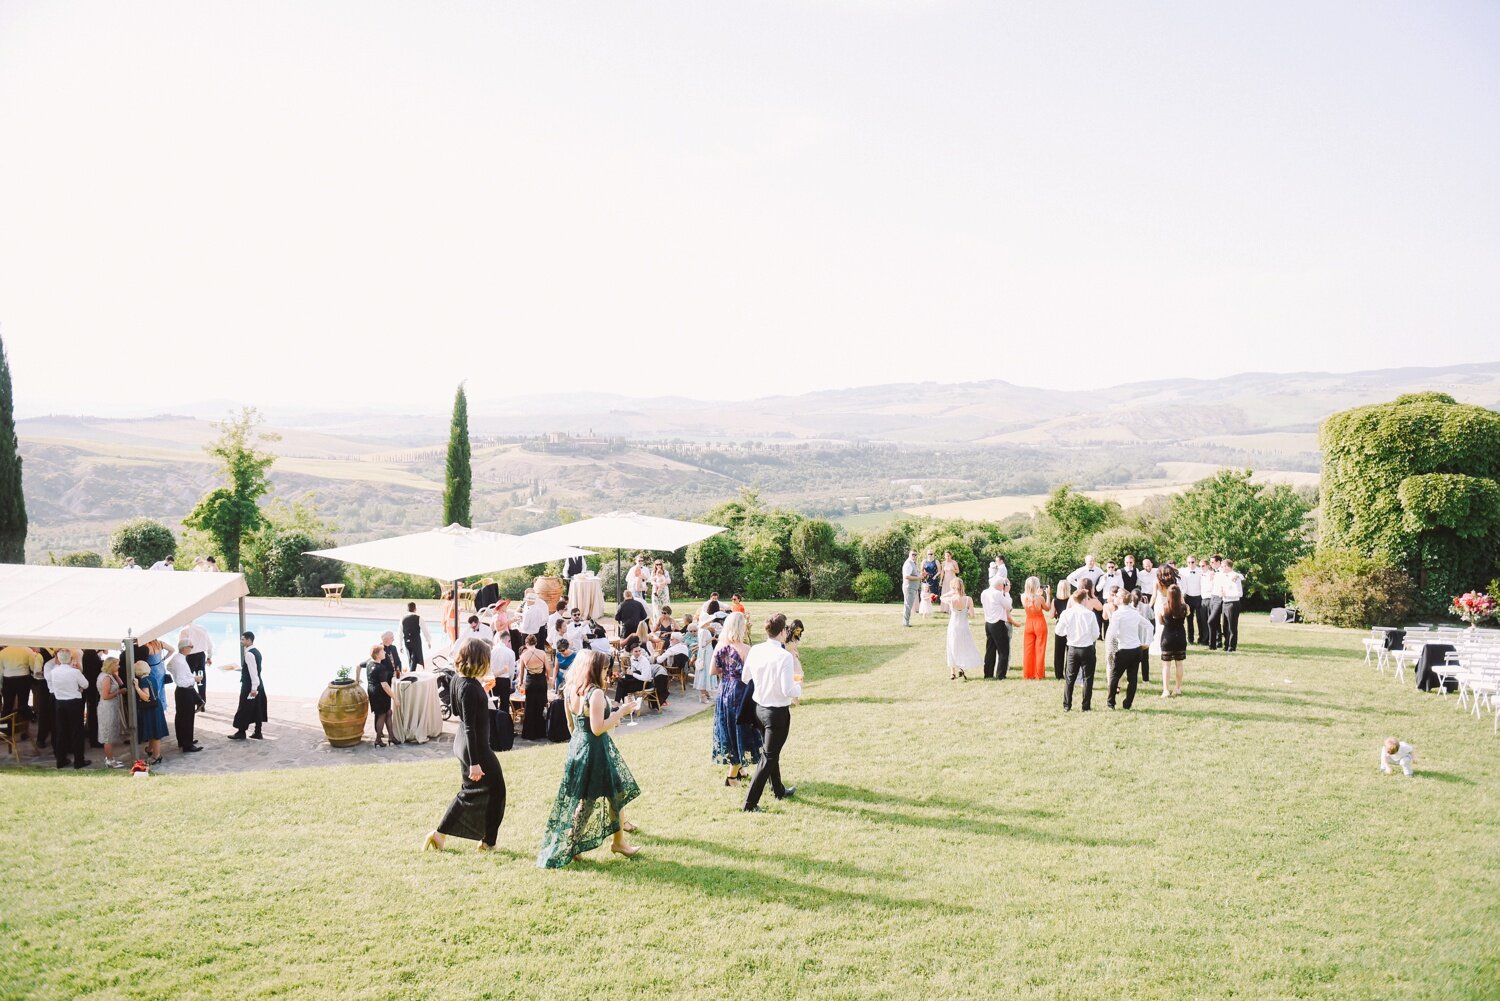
703	672
962	653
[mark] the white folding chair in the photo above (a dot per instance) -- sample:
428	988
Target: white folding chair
1409	653
1375	644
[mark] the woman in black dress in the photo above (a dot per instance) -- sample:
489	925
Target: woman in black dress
477	810
1060	643
1171	621
379	677
533	665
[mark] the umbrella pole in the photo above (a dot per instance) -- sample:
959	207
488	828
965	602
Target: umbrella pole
135	747
619	581
455	620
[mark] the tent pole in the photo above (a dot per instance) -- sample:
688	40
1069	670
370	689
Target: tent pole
242	618
135	747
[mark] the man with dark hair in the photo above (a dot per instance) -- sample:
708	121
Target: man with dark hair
776	674
630	614
412	632
1213	602
252	710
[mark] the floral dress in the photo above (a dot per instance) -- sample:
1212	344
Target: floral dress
734	742
596	786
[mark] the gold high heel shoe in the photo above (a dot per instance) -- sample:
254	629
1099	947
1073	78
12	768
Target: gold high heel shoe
631	852
432	843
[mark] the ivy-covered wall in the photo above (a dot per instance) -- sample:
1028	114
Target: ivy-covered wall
1417	481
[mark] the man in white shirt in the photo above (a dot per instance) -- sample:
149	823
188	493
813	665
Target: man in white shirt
1110	578
777	677
201	656
165	564
474	629
1213	603
1089	571
67	684
997	606
1190	579
1231	585
1146	579
911	585
185	694
1080	628
1130	635
998	570
503	665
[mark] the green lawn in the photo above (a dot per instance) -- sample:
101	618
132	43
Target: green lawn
948	840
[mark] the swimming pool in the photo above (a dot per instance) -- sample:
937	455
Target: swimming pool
300	653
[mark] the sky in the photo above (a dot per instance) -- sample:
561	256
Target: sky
344	203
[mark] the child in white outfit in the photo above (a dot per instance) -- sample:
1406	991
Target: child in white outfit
1398	752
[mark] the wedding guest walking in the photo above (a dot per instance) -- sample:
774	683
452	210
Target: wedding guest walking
1231	590
1172	614
477	810
252	709
774	672
533	667
1080	626
736	742
412	634
596	785
1059	641
1034	639
911	585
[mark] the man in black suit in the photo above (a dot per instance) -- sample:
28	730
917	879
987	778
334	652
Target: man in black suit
412	632
1129	578
574	566
630	614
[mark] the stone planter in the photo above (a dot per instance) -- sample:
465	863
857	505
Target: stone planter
342	709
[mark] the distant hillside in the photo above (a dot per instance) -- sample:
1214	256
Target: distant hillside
989	445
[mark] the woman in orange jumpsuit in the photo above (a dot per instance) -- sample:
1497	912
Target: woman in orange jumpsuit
1034	639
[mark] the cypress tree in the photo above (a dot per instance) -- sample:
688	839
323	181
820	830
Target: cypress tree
460	479
12	501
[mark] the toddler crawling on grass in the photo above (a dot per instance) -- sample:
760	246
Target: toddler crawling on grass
1398	752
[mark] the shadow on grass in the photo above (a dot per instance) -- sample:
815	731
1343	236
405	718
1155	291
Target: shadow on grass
957	815
1233	693
1445	777
1332	652
750	887
1248	717
824	663
737	853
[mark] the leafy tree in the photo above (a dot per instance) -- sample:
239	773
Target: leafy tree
12	500
1263	529
812	543
231	512
1048	557
1416	482
86	558
713	565
885	549
146	540
290	573
759	565
1075	516
460	478
828	581
1121	541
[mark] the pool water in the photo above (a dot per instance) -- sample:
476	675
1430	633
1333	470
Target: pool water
300	654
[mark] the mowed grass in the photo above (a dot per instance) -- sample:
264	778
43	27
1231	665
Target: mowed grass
948	840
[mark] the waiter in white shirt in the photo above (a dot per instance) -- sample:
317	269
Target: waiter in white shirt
1231	592
1130	635
777	677
1089	571
997	606
1080	628
911	585
201	657
1190	579
67	685
184	693
1213	601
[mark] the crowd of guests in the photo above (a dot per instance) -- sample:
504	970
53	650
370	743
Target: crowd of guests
1135	611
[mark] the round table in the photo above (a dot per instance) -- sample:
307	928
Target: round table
418	712
587	595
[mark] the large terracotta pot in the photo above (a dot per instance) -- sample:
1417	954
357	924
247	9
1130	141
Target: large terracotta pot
342	709
550	590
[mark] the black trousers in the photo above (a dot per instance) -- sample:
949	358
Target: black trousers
1080	666
187	709
1127	661
1195	617
629	685
91	713
996	649
1146	665
777	721
1059	655
198	664
13	695
68	741
1215	625
43	711
1229	617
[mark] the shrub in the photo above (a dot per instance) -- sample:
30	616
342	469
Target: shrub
760	560
513	583
812	543
144	539
969	568
1341	587
885	548
788	584
874	585
369	582
1114	544
829	581
713	565
1047	556
87	558
288	572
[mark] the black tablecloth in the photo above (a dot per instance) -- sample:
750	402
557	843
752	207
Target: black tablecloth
1432	656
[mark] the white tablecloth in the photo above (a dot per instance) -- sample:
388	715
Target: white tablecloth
418	714
587	595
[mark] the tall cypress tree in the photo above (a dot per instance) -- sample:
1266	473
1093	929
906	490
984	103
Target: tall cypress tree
12	501
460	480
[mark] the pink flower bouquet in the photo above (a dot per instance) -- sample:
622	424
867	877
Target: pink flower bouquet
1473	607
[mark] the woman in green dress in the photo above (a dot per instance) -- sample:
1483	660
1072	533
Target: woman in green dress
596	785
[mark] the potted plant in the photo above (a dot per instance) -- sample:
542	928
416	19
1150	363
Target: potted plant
342	709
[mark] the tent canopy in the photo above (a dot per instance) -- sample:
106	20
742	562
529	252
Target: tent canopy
85	607
628	530
453	553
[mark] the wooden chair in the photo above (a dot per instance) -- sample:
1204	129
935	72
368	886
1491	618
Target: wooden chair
333	594
679	674
10	734
648	697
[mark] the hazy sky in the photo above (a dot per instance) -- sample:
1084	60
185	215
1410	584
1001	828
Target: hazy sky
362	201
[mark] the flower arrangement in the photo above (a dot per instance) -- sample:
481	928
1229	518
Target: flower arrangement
1473	607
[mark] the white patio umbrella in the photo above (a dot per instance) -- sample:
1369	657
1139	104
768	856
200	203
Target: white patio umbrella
629	530
453	553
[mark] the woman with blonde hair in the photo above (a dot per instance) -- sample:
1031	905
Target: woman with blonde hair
735	744
477	810
596	785
1034	639
111	720
963	655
